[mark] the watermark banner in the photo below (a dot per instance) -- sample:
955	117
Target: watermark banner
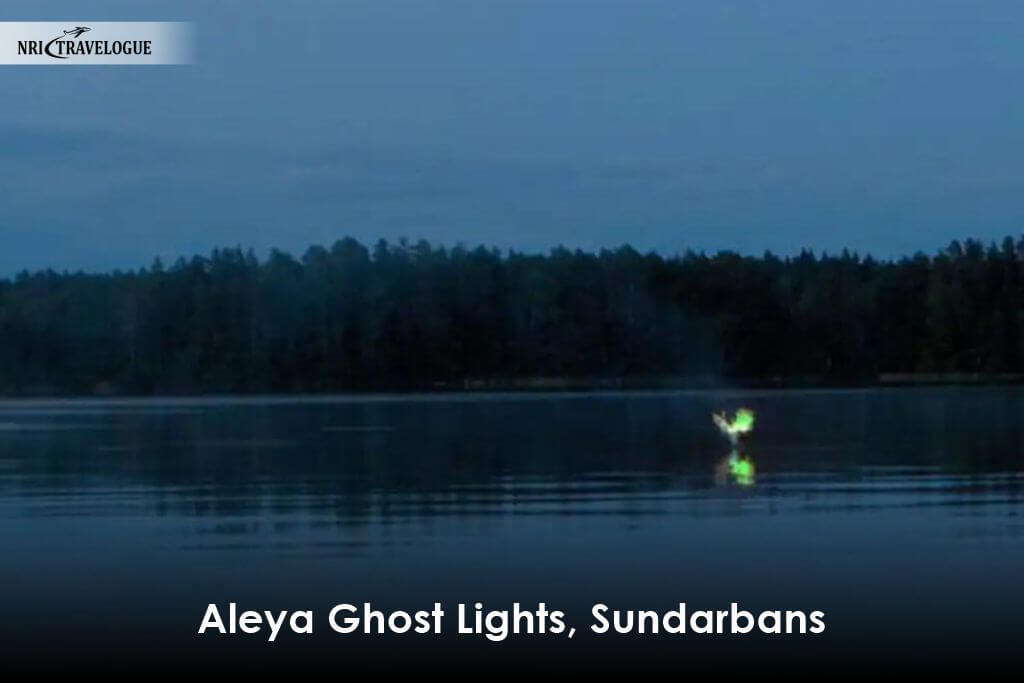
96	42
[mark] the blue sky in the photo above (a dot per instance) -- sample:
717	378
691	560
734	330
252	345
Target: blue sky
708	124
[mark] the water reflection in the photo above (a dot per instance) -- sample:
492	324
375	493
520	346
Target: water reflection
736	468
865	503
308	469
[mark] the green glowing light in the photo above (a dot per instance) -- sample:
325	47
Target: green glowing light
739	466
743	422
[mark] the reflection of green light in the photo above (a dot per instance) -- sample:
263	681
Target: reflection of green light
742	469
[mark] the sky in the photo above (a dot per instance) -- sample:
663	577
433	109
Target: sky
885	127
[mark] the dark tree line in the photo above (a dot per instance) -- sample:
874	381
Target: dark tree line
413	316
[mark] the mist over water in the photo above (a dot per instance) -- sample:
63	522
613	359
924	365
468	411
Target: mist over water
896	512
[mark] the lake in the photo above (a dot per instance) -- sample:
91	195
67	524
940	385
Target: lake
896	512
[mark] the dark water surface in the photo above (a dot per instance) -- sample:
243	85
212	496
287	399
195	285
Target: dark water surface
896	512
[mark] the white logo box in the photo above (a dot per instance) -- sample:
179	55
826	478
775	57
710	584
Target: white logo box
96	42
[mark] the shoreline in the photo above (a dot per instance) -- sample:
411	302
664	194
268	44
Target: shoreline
549	385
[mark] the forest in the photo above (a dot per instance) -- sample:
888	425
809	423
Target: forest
410	316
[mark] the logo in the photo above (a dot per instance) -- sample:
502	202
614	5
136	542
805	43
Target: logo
67	45
101	42
79	30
